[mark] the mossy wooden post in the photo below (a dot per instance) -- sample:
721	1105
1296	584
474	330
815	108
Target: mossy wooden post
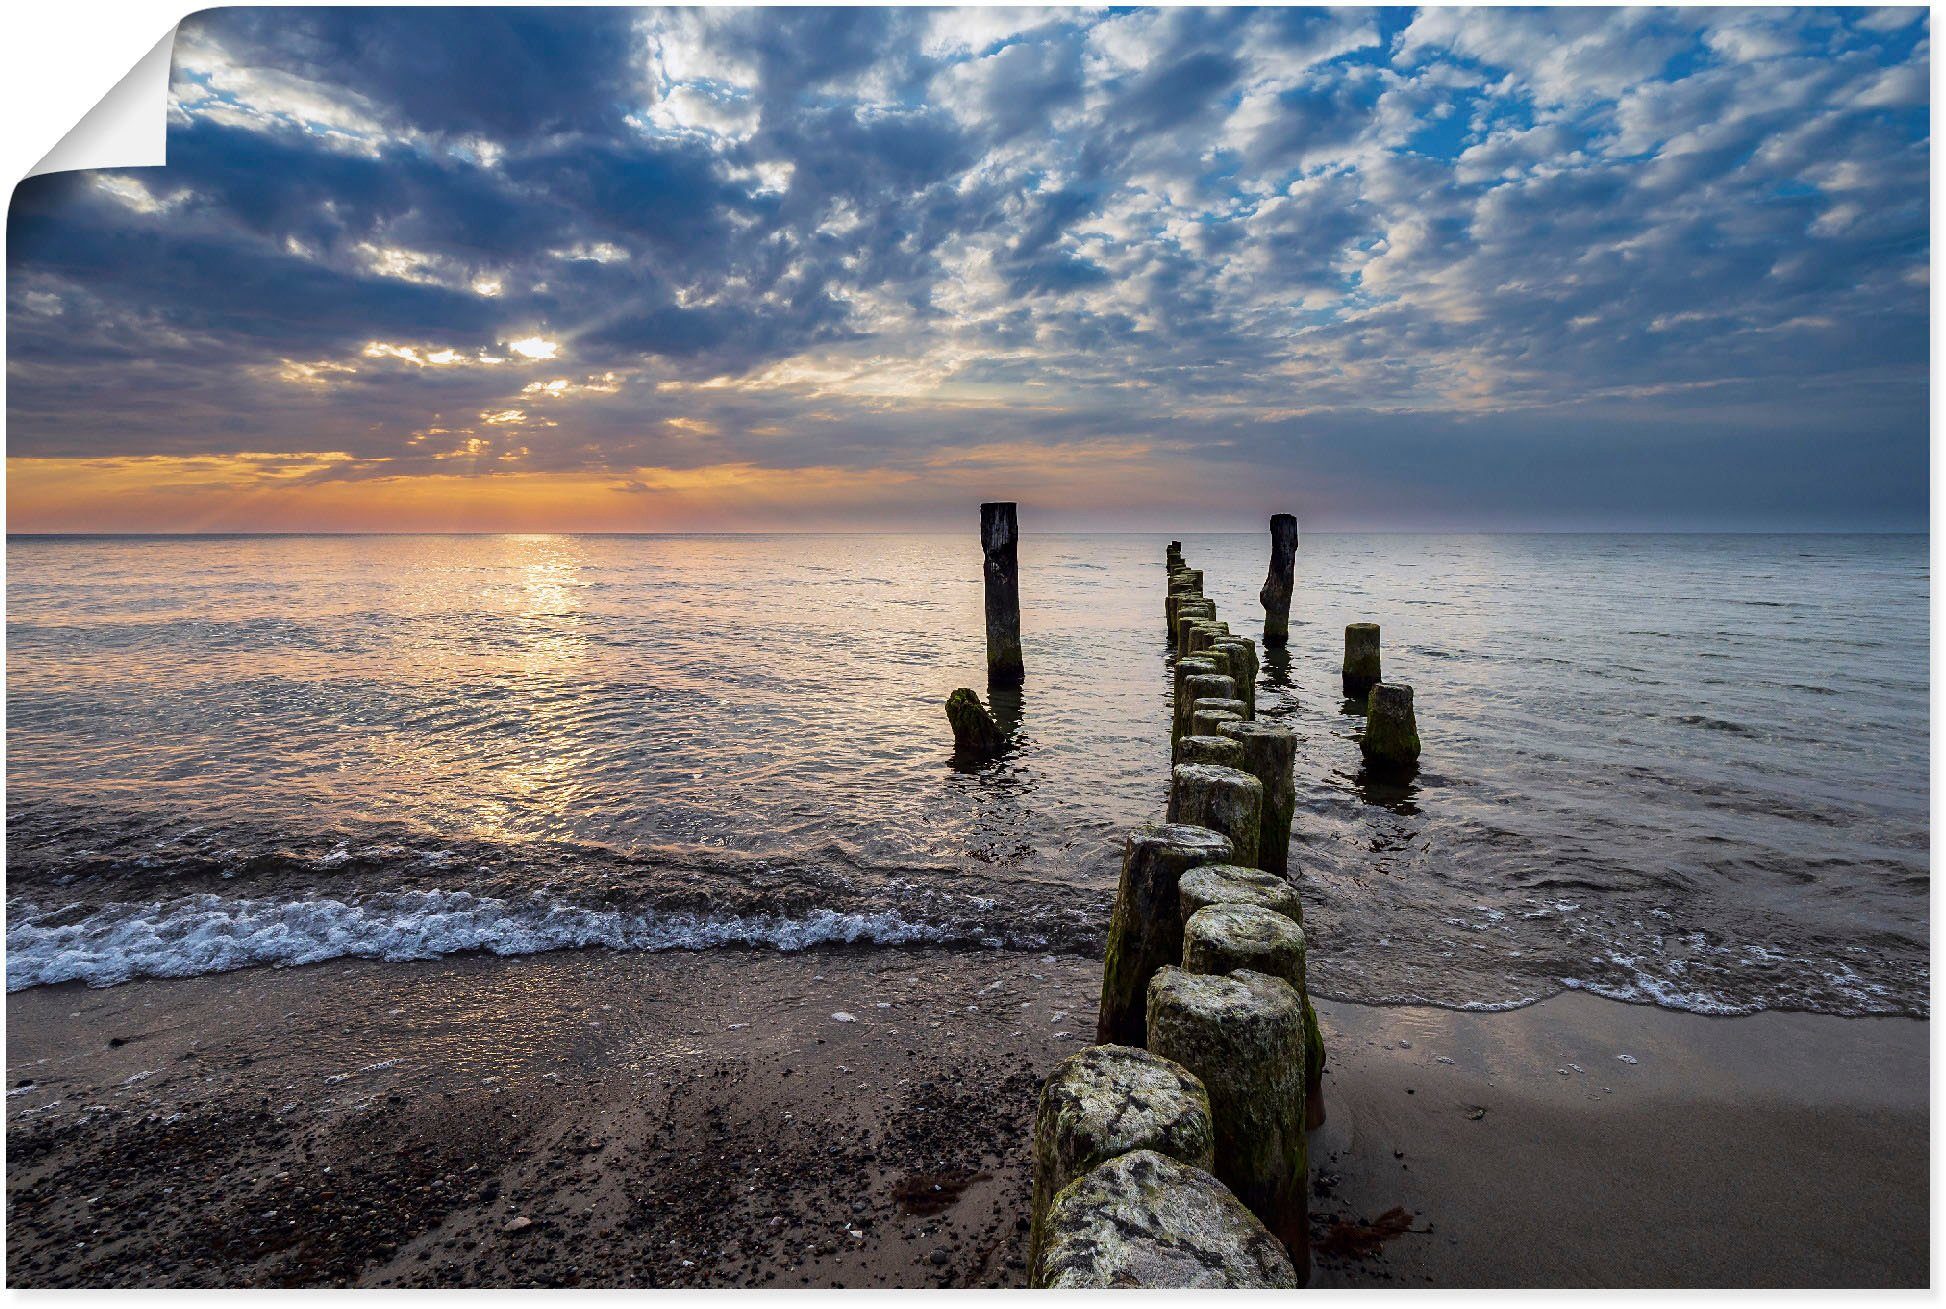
1276	594
1188	666
1232	884
1195	687
1143	1221
1206	633
1184	584
975	734
1391	741
1145	929
1191	610
1361	659
1221	938
1209	884
999	541
1225	800
1243	1035
1270	756
1208	716
1242	654
1218	750
1106	1101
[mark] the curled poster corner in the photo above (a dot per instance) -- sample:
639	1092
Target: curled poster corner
128	127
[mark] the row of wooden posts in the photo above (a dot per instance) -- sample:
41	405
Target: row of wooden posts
1390	743
1173	1153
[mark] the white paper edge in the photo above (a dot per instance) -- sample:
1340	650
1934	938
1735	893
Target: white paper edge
128	127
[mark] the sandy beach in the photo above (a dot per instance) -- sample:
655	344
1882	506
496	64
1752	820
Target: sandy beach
860	1118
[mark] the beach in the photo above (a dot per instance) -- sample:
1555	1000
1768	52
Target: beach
846	1117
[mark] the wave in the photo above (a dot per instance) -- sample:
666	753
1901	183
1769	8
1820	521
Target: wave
212	934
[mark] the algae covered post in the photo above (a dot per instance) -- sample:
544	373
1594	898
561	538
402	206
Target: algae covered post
1270	756
1145	930
999	542
1243	1035
1145	1221
1225	800
1107	1101
1391	741
1361	671
975	734
1276	593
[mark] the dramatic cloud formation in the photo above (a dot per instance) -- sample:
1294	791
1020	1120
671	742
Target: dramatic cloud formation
656	269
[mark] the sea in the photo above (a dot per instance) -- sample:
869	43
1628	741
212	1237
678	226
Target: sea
1686	770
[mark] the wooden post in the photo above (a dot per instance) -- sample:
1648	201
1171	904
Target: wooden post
1270	756
1276	595
1361	672
975	734
1143	1221
1227	884
1391	741
1107	1101
999	537
1145	931
1243	1035
1225	800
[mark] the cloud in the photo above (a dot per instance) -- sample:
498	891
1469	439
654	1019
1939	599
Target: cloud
873	240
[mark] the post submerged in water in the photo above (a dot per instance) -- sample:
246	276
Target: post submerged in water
1270	756
975	735
1276	593
1226	800
1361	672
999	541
1391	741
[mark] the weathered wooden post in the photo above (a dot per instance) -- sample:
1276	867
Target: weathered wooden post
1243	1035
999	541
1391	742
1195	687
1106	1101
1361	659
1209	884
975	734
1242	652
1205	633
1270	756
1145	930
1188	666
1223	937
1218	750
1143	1221
1191	610
1276	595
1225	800
1184	584
1208	716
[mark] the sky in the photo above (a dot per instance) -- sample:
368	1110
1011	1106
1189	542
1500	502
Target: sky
718	269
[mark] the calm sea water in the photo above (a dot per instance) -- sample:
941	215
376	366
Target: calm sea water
1688	770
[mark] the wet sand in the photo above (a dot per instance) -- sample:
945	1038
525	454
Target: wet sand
860	1118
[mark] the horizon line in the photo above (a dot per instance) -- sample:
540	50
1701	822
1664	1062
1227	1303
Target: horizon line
1065	531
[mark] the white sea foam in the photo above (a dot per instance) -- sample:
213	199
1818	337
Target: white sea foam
211	933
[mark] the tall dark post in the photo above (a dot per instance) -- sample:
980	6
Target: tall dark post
1276	594
999	537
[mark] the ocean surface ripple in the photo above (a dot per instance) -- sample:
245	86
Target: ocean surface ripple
1684	770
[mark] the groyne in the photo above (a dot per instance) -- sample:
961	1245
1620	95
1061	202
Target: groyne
1173	1153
